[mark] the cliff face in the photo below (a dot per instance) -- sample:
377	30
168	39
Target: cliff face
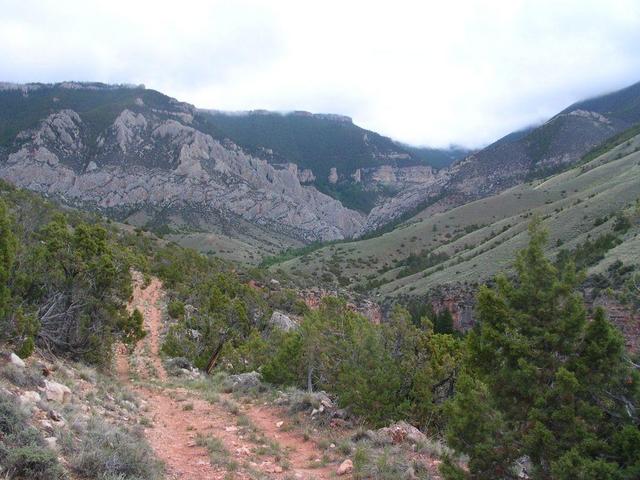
151	161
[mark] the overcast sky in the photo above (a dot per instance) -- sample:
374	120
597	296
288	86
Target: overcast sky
424	72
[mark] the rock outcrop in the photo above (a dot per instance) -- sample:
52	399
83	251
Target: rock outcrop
282	322
16	360
153	162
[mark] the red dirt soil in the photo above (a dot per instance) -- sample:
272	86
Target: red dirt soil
178	416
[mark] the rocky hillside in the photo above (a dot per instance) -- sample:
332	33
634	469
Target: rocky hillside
245	184
240	182
592	212
357	166
523	155
142	157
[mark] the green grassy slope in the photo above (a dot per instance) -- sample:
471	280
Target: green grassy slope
472	242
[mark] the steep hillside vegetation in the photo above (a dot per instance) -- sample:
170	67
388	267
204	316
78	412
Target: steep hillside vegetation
438	157
245	185
472	242
237	185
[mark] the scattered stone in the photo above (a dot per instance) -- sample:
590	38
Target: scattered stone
55	416
46	426
399	432
523	467
324	400
181	367
56	392
243	451
345	468
340	413
231	429
91	166
52	442
30	398
16	360
279	424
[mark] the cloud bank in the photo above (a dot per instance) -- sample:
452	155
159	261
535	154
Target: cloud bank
430	73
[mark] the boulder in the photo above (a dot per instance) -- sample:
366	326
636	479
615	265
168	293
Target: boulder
56	392
523	467
16	360
282	321
181	367
47	426
30	398
55	416
400	432
345	468
324	400
245	380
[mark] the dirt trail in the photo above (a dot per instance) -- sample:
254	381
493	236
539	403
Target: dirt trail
179	418
149	299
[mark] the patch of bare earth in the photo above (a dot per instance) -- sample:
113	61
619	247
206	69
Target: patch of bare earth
198	439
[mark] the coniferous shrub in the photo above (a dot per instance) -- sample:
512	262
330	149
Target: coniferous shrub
542	381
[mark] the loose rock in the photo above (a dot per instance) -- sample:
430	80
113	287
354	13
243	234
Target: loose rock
345	468
56	392
16	360
30	398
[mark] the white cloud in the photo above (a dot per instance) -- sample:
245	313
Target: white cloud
424	72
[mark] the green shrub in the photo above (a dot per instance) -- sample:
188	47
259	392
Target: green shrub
22	451
622	223
175	309
132	328
22	377
284	367
33	462
104	450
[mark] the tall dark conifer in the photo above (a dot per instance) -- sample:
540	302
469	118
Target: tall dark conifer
544	384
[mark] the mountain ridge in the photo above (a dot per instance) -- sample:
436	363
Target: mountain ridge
269	180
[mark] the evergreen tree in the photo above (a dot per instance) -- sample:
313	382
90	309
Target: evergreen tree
543	382
444	322
8	247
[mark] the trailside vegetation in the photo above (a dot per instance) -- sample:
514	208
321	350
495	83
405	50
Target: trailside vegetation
65	281
543	385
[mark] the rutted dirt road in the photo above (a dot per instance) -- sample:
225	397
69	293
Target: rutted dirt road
247	441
